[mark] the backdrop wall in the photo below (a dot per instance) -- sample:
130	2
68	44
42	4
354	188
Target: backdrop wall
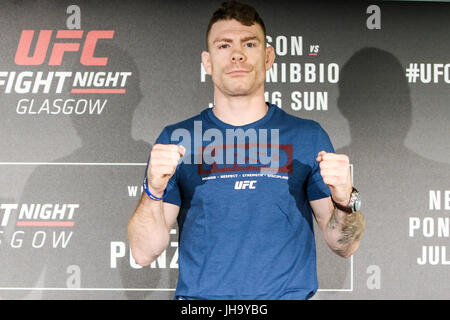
86	89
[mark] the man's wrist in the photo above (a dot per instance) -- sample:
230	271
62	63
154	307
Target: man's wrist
352	205
152	193
157	194
341	207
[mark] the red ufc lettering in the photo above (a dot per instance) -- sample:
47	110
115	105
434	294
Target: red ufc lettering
59	48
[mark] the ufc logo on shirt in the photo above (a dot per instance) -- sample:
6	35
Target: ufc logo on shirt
239	185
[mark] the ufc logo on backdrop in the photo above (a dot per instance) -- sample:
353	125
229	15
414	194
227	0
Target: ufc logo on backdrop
239	185
44	40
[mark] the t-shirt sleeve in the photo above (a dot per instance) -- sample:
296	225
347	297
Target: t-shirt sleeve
173	190
317	189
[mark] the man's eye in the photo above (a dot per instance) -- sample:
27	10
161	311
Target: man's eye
250	44
223	46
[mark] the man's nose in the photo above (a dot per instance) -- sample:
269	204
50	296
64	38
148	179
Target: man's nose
237	56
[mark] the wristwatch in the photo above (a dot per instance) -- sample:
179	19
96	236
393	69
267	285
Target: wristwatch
353	205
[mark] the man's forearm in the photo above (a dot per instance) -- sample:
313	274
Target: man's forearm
343	232
147	231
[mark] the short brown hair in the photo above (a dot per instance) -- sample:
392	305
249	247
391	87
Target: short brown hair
241	12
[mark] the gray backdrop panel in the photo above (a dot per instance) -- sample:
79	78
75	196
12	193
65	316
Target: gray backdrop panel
395	131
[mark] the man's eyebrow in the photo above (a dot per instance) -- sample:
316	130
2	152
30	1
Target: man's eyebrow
223	40
249	38
231	40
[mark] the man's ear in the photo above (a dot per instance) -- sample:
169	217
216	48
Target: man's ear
270	57
206	61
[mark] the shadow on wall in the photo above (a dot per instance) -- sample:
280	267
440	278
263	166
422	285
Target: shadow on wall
94	252
394	181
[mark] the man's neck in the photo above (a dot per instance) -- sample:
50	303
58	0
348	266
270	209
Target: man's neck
241	110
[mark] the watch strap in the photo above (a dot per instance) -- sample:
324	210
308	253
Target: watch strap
350	208
341	207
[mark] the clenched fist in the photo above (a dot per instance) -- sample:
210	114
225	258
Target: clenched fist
164	159
335	171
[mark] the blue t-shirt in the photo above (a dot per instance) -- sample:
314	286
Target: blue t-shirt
246	232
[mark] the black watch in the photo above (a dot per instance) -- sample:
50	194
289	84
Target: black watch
353	205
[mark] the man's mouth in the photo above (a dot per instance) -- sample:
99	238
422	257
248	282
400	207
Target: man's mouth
236	72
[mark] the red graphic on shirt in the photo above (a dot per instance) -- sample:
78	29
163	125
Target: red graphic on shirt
284	159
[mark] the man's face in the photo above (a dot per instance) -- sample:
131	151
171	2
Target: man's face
237	59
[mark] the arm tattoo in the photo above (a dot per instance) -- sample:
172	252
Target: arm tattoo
349	228
352	228
333	223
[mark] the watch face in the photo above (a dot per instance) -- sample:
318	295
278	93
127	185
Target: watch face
356	200
357	205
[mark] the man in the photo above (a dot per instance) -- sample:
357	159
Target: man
245	228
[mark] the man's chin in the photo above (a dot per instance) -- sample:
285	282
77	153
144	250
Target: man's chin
238	91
